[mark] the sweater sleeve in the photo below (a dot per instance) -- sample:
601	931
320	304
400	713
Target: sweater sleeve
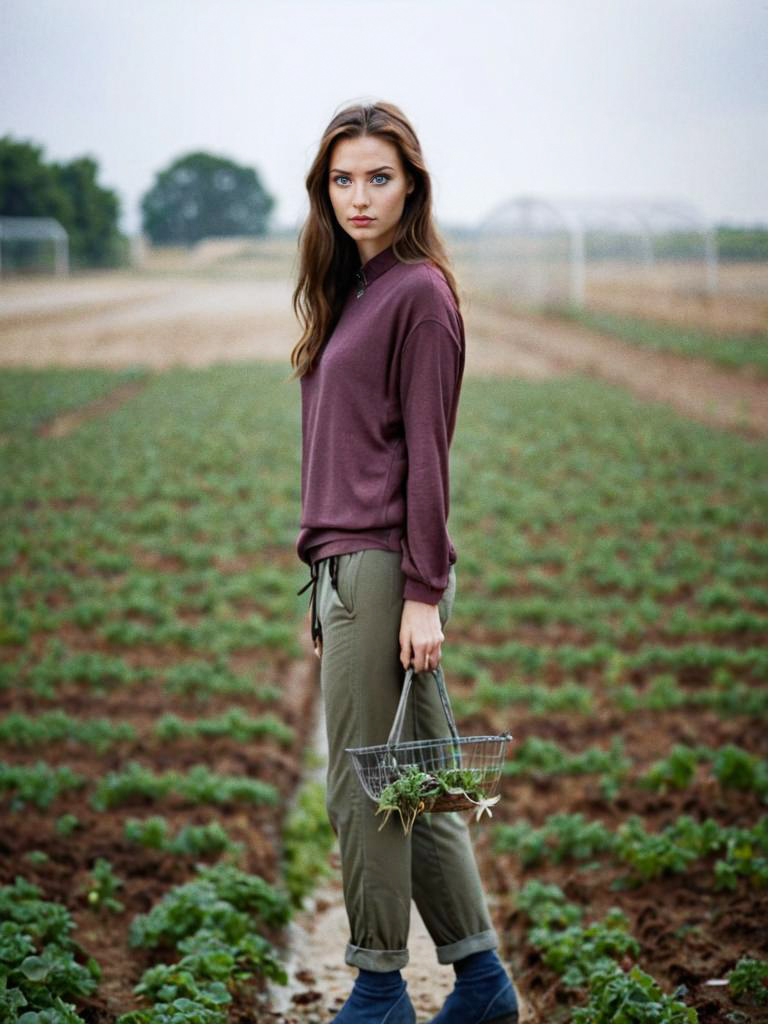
430	378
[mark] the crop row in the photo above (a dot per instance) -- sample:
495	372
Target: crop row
601	958
704	662
621	618
215	921
200	680
40	784
600	584
21	730
732	767
219	634
661	694
137	607
194	678
567	836
585	956
153	833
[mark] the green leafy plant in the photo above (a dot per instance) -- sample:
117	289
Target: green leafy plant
738	769
36	856
192	840
675	771
104	885
633	997
415	791
67	823
220	896
749	978
38	784
198	785
39	962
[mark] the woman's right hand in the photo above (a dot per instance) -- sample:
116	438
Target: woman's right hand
421	636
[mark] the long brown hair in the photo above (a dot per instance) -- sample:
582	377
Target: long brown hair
328	257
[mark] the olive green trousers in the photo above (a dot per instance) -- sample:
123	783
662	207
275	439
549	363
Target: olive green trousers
361	678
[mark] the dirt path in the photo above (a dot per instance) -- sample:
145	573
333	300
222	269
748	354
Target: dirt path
124	319
537	346
66	422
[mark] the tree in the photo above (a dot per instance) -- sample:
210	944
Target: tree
94	237
28	186
68	192
201	195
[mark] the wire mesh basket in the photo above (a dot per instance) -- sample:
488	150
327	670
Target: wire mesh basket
464	763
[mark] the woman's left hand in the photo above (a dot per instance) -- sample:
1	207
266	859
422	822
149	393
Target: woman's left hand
421	636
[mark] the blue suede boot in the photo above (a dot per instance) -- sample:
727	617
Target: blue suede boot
483	993
378	997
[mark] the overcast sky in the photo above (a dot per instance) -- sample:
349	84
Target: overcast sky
584	98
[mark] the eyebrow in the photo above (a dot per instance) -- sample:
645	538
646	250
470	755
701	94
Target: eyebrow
386	167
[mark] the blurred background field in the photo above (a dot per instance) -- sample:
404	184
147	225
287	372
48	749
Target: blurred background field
655	330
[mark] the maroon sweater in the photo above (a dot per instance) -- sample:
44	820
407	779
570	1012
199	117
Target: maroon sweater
378	414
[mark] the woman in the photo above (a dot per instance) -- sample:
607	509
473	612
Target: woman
380	363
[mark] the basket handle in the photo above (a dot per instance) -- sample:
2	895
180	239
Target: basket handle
399	720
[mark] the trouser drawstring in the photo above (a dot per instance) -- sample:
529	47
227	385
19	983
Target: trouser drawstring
317	632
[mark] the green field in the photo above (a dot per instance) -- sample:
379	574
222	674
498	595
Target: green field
611	613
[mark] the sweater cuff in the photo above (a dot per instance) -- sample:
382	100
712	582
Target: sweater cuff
414	590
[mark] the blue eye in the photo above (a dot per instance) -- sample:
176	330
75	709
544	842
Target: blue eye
381	175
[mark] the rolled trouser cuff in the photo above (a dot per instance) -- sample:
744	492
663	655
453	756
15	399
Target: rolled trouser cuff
471	944
375	959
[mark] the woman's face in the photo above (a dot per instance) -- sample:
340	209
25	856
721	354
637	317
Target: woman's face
367	179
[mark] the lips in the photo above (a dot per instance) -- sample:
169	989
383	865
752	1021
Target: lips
361	220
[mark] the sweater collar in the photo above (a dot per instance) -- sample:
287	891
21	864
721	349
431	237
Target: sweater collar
375	267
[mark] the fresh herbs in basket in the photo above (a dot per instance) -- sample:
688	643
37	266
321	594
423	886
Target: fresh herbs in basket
416	791
452	773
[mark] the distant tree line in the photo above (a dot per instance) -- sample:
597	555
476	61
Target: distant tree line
198	196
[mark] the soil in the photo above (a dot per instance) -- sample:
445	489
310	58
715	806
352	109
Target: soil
544	346
689	932
147	875
128	319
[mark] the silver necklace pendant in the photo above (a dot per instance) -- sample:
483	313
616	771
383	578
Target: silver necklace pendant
361	283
